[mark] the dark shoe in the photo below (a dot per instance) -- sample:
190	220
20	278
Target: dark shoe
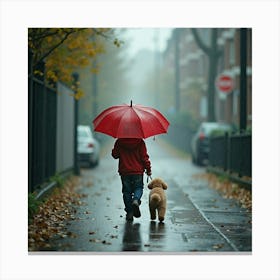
135	209
129	217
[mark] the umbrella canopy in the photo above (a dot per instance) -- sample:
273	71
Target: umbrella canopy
130	121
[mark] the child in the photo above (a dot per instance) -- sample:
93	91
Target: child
133	161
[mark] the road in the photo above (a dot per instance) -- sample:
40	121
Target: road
198	218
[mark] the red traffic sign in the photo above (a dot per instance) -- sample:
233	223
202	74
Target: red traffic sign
224	83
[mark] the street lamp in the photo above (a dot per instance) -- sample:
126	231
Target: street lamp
243	79
76	112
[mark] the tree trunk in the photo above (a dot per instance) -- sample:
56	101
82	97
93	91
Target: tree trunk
213	63
211	90
213	54
177	70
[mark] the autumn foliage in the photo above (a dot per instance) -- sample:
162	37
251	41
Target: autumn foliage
66	50
51	218
230	190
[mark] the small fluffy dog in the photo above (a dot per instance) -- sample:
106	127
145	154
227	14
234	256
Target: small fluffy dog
157	198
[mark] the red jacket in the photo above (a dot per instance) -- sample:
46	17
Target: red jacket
132	155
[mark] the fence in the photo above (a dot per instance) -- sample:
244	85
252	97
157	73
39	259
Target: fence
50	129
65	129
232	153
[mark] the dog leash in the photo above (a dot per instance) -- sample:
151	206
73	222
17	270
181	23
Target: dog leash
148	178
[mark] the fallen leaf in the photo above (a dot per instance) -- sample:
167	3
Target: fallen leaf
89	184
72	235
218	246
230	190
53	216
106	242
95	240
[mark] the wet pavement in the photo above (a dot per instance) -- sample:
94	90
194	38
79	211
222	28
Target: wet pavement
198	219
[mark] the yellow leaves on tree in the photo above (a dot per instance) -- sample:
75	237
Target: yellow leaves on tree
65	50
78	93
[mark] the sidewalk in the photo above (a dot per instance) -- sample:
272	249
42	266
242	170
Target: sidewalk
198	219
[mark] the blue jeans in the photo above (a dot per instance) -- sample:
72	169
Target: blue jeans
132	188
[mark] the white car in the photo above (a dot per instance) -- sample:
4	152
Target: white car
88	146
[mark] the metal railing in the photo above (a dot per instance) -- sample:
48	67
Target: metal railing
232	153
42	104
51	128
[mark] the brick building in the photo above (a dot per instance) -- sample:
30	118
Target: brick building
228	104
189	65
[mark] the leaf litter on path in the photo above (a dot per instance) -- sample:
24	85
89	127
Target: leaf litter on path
53	216
229	189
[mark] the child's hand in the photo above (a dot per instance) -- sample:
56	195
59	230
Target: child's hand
149	173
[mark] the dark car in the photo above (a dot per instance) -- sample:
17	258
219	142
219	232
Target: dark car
200	140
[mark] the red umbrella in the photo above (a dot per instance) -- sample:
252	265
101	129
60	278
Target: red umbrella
134	121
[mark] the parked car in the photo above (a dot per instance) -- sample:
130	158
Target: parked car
88	146
200	140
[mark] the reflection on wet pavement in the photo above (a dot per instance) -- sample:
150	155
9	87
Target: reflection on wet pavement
131	238
197	218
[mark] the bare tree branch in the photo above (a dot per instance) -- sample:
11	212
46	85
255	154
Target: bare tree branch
55	46
43	35
198	40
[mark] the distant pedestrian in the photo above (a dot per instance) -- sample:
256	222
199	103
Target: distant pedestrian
133	162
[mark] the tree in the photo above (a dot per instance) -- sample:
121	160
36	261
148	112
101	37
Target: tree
108	86
213	54
64	50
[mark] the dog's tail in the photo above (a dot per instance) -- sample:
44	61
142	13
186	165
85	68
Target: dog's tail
155	198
